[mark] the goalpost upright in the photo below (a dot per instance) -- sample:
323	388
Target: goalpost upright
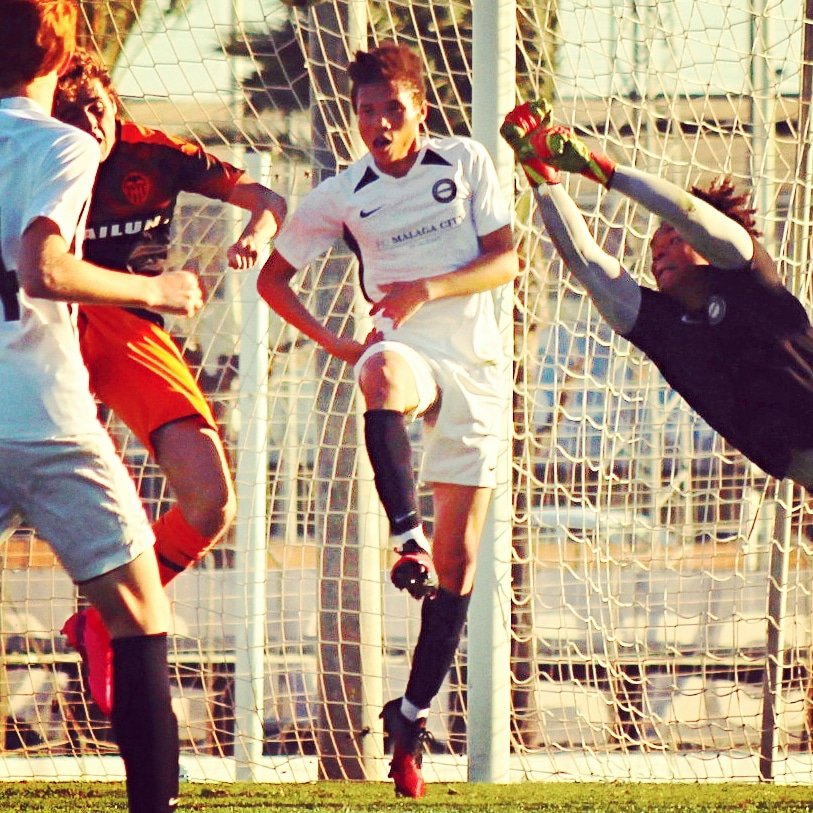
488	654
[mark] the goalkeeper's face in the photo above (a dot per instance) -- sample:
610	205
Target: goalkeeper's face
678	269
390	115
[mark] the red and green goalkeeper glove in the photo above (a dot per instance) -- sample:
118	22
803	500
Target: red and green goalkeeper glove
522	120
540	147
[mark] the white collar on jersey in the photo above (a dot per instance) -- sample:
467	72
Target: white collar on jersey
21	103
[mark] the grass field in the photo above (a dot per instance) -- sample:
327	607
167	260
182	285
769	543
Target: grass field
339	797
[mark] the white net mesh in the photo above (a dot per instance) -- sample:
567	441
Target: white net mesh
642	543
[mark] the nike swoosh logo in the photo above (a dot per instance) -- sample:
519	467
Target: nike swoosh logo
368	212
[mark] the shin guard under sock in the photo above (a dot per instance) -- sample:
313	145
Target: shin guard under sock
177	544
144	724
390	455
442	622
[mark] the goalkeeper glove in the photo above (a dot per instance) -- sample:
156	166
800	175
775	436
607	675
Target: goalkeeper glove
516	127
527	128
560	148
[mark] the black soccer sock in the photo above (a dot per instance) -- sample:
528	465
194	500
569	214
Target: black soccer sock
391	458
144	724
442	621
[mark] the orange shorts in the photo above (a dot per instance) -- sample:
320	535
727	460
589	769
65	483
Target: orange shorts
137	371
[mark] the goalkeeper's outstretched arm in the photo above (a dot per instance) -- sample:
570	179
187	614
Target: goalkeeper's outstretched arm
543	148
614	292
719	239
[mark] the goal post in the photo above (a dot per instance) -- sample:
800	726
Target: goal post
251	534
489	635
644	608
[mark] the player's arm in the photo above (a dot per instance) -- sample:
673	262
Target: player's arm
538	143
714	235
614	292
496	265
274	286
267	211
47	269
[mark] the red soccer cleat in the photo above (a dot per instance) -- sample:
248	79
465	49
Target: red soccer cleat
414	571
407	739
87	634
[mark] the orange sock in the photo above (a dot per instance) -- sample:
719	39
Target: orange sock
177	544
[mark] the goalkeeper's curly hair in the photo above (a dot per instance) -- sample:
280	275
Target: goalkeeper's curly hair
84	67
389	62
723	196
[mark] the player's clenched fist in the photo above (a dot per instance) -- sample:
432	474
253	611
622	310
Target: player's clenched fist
243	254
178	292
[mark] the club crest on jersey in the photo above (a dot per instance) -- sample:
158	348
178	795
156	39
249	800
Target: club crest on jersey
444	190
715	310
136	188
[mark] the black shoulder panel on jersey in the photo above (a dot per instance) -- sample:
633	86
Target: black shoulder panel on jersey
430	157
368	177
353	245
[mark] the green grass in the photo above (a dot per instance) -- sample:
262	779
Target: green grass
370	797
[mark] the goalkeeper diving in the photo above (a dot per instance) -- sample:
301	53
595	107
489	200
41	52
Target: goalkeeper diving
721	327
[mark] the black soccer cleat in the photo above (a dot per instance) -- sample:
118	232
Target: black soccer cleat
415	572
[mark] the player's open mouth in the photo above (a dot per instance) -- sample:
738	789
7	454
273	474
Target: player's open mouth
382	142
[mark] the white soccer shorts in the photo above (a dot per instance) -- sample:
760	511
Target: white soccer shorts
461	432
78	496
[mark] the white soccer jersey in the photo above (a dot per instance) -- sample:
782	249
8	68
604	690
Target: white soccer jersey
47	169
422	225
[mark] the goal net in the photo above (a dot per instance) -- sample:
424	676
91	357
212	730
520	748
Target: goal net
660	613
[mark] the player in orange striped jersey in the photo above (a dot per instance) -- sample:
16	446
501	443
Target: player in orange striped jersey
135	366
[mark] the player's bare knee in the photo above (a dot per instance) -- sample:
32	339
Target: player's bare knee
209	512
383	385
455	571
152	617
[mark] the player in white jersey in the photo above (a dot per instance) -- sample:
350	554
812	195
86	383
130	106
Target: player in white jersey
58	468
432	234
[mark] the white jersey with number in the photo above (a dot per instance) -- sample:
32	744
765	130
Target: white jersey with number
47	170
422	225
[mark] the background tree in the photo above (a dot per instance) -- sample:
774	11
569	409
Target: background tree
105	26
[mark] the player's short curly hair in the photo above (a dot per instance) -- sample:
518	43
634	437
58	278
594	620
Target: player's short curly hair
389	62
35	38
723	196
84	67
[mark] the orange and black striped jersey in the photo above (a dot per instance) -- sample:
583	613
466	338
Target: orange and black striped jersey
136	190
